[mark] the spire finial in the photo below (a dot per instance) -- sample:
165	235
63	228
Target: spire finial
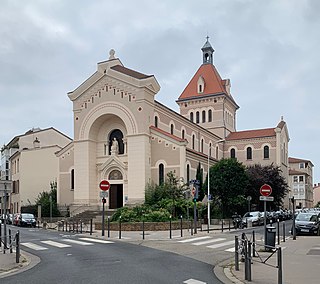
207	37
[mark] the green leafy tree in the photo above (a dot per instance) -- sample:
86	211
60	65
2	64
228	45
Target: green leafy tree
228	181
199	177
271	175
43	199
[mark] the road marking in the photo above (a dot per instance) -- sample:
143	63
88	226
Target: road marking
231	249
33	246
78	242
209	241
221	245
194	239
194	281
55	244
96	241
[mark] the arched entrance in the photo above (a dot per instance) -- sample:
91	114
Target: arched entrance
116	189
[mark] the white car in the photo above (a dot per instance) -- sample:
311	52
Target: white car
254	217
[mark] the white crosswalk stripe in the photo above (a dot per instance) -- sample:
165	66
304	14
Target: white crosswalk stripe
233	249
221	245
194	239
97	241
78	242
33	246
56	244
209	241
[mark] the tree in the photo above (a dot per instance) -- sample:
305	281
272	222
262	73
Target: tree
228	181
43	199
271	175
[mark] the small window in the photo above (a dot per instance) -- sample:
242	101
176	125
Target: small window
182	134
200	88
171	129
161	174
201	145
197	117
191	116
249	153
295	178
72	178
300	178
301	165
210	115
188	173
193	141
233	153
156	121
210	154
203	116
266	152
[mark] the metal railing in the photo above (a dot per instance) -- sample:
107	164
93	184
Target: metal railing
8	243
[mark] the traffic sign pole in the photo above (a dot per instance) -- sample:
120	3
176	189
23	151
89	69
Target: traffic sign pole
102	233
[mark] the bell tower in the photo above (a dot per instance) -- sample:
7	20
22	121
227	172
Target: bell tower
207	52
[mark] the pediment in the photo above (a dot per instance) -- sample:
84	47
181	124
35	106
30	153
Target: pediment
112	161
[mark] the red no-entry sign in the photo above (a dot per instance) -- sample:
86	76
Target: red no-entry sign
104	185
265	190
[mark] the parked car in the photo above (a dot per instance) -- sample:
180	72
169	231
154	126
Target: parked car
255	217
25	219
308	223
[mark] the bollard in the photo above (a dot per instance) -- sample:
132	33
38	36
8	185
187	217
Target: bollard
120	227
17	247
253	244
284	231
181	234
143	229
279	264
80	227
222	225
245	260
229	225
249	260
62	226
236	253
90	226
0	235
10	243
170	235
191	228
108	226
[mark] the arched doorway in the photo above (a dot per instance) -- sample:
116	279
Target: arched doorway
116	189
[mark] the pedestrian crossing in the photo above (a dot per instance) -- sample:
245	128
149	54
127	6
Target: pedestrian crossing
211	243
63	243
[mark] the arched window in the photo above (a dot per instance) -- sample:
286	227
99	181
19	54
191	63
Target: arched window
171	129
193	141
119	136
249	153
191	116
217	152
115	175
72	179
210	115
182	135
210	154
197	117
161	174
233	153
266	152
156	121
203	116
201	145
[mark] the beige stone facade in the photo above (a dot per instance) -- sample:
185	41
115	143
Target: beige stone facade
316	194
118	104
33	164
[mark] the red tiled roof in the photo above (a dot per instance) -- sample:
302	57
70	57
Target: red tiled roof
167	134
248	134
297	160
213	83
130	72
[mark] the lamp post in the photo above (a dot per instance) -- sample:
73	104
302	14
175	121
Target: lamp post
209	187
53	186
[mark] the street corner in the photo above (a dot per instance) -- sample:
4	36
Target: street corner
225	272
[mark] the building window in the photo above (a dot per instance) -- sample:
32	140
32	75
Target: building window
182	134
301	165
209	115
161	174
156	121
193	141
300	178
249	153
201	145
210	154
200	88
115	175
203	116
171	129
197	117
295	178
266	152
191	116
217	152
72	179
233	153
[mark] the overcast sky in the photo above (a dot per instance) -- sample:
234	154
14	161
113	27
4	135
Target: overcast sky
268	49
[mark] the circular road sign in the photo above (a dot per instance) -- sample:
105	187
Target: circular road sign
104	185
265	190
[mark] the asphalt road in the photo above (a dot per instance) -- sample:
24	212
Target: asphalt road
67	258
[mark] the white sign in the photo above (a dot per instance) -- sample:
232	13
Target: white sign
103	194
266	198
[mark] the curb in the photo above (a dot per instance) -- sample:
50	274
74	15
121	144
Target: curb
224	273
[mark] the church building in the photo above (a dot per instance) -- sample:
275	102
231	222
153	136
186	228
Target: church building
124	135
